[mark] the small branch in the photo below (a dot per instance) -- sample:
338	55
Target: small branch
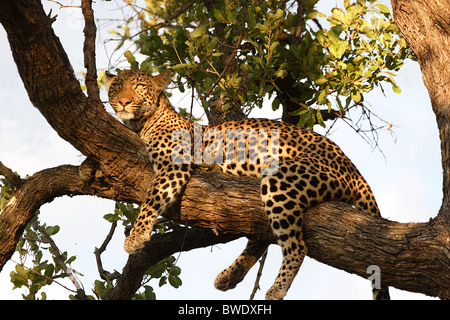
13	178
105	275
179	12
258	275
59	258
161	246
90	31
299	24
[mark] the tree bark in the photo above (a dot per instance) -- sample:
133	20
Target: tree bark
412	256
426	27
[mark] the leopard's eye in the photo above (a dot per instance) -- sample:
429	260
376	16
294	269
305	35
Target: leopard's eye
140	86
115	86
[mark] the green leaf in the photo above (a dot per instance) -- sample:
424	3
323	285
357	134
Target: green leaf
218	15
319	118
337	15
279	14
356	96
251	19
149	294
337	49
273	46
275	104
383	8
175	271
52	230
322	97
175	281
129	56
162	281
396	89
281	74
157	269
231	16
321	80
200	30
111	217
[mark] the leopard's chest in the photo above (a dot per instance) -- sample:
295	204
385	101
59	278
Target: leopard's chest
159	147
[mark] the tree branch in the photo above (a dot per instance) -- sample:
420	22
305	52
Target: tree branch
426	27
90	32
412	256
258	275
61	262
160	247
13	178
105	275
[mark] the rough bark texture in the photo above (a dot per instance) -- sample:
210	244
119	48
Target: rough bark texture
426	27
412	256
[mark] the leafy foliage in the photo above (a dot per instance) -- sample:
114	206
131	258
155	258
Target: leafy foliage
46	265
239	50
6	191
165	270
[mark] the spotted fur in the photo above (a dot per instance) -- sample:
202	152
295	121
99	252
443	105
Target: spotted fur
309	169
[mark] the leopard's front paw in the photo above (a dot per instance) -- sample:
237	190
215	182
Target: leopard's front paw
135	242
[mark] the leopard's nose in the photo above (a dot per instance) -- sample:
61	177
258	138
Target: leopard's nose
124	102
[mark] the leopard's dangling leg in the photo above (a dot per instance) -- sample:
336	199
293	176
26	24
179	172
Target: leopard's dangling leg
381	294
231	276
285	215
166	188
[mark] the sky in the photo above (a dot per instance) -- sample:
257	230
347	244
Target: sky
405	176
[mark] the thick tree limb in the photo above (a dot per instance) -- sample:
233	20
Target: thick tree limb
426	27
412	256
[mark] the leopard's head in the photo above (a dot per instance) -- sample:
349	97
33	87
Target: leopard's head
133	94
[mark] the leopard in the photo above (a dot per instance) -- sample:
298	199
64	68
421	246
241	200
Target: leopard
297	169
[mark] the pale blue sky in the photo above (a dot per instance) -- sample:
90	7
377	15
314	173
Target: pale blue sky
406	180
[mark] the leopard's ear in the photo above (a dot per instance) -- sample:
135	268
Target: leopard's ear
108	78
162	80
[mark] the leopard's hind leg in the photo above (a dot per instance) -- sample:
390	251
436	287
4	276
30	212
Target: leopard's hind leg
280	194
231	276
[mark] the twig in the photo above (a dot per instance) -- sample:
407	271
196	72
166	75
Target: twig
90	31
56	252
133	7
105	275
299	21
258	275
62	5
179	12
